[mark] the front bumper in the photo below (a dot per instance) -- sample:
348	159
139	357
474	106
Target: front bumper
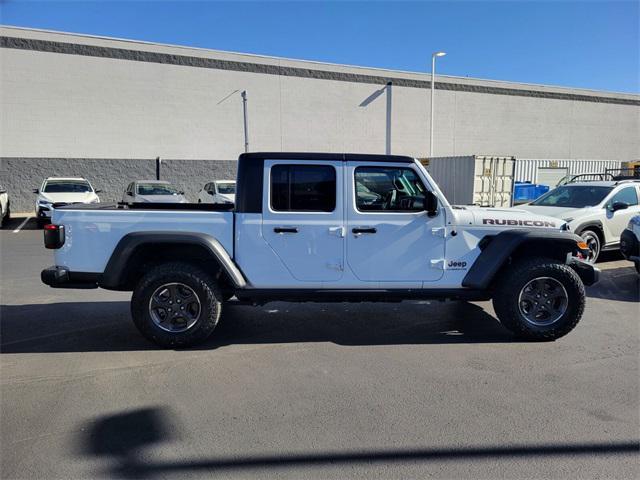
629	245
43	212
60	277
586	271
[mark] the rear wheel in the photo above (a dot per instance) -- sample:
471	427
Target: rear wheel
592	239
176	305
539	299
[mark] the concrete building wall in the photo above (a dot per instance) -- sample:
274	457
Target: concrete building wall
76	97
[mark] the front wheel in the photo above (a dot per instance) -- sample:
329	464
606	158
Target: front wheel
592	240
176	305
539	299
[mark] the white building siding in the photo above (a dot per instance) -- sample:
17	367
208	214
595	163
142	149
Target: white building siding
527	168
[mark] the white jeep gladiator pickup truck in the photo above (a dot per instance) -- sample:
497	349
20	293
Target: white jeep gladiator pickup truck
327	228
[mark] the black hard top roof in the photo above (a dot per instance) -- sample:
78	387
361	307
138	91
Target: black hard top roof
315	156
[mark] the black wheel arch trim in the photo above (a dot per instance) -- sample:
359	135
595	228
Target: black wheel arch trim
115	271
498	251
592	223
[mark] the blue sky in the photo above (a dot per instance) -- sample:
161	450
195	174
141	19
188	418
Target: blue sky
586	44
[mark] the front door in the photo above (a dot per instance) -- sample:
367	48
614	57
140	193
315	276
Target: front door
303	217
617	221
390	237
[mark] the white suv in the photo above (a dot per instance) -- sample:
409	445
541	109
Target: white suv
597	211
220	191
62	191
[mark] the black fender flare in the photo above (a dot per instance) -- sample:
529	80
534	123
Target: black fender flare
115	271
499	248
592	223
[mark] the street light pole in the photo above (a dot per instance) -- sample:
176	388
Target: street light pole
433	88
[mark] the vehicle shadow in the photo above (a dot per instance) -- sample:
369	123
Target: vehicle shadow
621	284
15	222
124	439
107	326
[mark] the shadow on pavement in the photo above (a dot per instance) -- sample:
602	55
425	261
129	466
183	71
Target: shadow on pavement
15	222
107	326
621	284
122	438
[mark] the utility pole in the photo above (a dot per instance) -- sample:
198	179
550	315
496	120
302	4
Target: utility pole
244	115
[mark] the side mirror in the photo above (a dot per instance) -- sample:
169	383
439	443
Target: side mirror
181	193
3	190
210	192
431	204
35	190
619	206
97	191
130	194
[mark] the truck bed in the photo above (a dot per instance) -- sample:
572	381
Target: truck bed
93	231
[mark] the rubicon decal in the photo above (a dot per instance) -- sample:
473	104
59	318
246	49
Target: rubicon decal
521	223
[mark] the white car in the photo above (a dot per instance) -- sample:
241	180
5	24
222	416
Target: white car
303	231
597	211
152	191
62	191
5	206
220	191
630	242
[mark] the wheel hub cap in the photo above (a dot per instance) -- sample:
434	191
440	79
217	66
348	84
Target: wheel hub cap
542	301
174	307
594	246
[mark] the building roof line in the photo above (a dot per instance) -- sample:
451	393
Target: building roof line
83	49
315	62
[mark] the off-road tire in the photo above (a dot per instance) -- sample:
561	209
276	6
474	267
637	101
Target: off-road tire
516	276
195	278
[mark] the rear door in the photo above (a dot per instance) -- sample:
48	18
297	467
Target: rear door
390	238
303	217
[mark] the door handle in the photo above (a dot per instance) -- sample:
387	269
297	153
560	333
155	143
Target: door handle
357	231
285	229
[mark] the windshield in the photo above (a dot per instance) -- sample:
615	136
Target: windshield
573	196
156	189
226	188
67	186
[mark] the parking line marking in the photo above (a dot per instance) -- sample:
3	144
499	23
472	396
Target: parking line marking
22	224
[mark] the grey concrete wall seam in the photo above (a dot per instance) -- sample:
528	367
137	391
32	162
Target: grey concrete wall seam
272	69
20	175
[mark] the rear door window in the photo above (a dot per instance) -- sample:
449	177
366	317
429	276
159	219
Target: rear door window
303	188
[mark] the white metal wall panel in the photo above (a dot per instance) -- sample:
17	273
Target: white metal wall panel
527	168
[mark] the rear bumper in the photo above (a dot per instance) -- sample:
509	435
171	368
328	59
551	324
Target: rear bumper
586	271
61	277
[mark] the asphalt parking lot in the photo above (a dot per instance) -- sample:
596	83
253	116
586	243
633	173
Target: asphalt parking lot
416	389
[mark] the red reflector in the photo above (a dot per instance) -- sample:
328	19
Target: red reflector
51	226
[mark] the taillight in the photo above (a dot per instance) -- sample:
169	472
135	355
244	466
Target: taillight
53	236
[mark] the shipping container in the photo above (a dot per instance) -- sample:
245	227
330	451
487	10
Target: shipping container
474	179
550	172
